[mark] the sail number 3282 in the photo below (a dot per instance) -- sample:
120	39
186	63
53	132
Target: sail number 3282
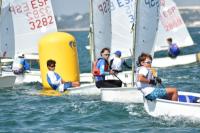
39	23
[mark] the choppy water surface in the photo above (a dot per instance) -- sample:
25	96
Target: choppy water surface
22	110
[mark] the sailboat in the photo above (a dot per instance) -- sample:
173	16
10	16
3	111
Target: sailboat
172	25
30	21
145	24
188	105
6	42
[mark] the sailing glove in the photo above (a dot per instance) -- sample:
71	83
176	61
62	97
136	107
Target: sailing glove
158	80
153	82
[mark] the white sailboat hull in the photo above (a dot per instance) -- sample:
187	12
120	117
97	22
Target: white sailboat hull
87	89
86	77
179	60
7	81
161	107
121	95
33	76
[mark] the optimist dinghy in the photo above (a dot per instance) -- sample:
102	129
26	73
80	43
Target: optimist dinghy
172	25
188	105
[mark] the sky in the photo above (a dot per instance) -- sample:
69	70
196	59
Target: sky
69	7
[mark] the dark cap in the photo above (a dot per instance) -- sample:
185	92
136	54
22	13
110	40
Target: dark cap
118	53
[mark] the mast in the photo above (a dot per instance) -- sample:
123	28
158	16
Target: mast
91	34
0	6
134	41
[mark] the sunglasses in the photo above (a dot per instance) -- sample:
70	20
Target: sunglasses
52	66
148	62
106	54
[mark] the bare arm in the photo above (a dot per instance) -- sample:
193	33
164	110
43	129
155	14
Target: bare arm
142	78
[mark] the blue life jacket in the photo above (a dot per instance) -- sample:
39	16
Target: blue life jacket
100	62
26	65
54	86
174	50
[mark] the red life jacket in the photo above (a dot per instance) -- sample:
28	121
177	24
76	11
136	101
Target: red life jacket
95	70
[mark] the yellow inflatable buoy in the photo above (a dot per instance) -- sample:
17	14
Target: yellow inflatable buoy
61	47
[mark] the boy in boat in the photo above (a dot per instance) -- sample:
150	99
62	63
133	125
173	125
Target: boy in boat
54	79
146	82
173	50
116	63
20	65
101	69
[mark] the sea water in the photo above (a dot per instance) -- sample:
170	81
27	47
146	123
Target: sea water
23	111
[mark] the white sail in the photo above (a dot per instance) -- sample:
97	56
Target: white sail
6	31
171	25
147	16
101	21
31	20
122	18
146	26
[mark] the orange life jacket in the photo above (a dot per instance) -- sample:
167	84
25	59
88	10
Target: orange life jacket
95	70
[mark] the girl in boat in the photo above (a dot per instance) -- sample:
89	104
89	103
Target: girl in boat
101	69
146	82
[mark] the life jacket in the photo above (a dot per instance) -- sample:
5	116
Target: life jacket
96	70
26	65
174	50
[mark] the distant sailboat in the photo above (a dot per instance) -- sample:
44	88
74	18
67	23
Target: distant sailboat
172	25
6	43
29	22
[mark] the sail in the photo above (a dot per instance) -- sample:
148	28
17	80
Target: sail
31	20
101	25
171	25
122	19
147	19
6	31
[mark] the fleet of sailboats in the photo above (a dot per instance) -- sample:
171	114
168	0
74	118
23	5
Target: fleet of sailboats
133	27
